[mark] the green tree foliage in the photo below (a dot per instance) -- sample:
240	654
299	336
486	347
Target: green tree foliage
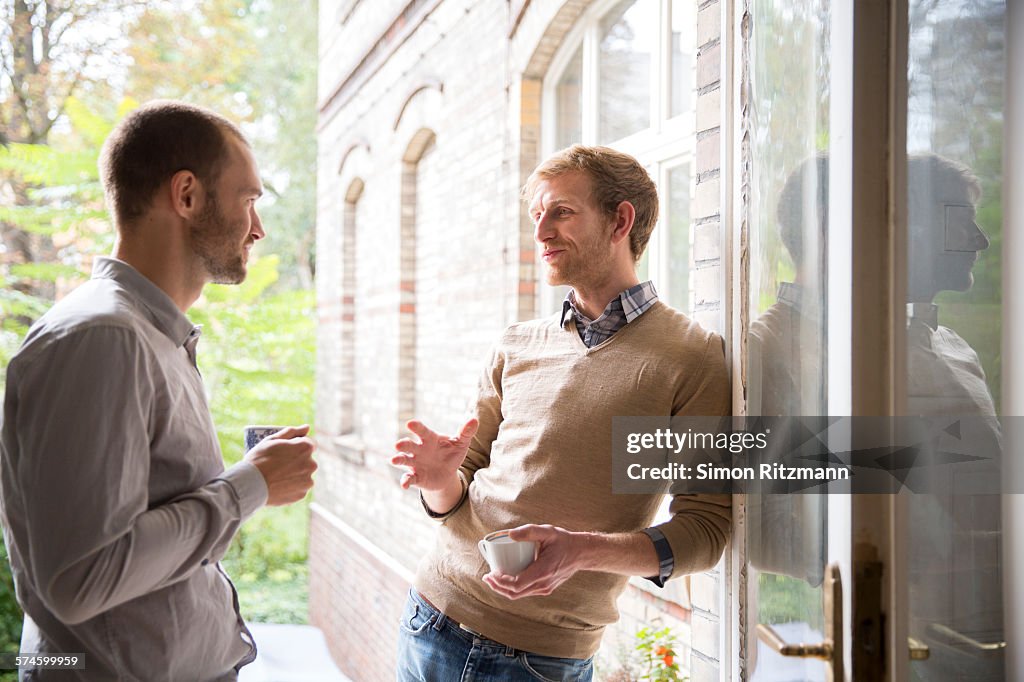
789	107
253	60
257	357
50	51
64	206
782	599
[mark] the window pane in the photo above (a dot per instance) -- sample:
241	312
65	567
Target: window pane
684	19
643	266
570	102
955	82
628	35
679	237
786	367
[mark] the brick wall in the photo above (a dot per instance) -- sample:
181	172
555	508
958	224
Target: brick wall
360	624
707	287
412	272
424	256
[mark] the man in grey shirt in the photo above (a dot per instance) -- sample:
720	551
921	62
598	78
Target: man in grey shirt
116	504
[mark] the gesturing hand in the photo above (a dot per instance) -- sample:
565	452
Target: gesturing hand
432	459
286	461
558	559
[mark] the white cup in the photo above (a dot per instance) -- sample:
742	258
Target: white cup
506	555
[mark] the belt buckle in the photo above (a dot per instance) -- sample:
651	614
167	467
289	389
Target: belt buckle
471	631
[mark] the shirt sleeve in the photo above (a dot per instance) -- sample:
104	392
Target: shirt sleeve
82	412
700	523
666	560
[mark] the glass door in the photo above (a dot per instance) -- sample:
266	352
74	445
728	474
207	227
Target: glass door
956	66
816	248
870	174
787	339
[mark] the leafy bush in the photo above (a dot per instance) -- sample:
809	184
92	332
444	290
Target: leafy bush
657	655
653	658
258	358
782	599
281	596
10	613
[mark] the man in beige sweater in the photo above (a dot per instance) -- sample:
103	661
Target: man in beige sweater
538	450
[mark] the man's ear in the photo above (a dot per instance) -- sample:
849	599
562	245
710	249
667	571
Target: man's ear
625	214
186	191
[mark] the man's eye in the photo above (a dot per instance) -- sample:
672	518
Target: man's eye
563	212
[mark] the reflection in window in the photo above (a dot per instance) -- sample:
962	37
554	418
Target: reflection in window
955	79
786	364
569	93
628	35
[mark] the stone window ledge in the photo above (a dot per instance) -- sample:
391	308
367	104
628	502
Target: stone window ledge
350	447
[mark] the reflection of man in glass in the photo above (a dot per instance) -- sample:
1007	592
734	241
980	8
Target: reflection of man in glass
785	377
955	566
786	354
944	374
787	343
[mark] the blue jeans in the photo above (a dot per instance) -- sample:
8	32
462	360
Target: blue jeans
431	648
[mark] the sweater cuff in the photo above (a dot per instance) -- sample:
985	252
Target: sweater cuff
462	498
666	559
249	485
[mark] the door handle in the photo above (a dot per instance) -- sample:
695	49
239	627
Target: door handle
974	647
768	635
919	651
831	649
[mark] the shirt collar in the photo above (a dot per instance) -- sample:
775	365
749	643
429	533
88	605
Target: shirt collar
162	311
804	302
926	313
633	302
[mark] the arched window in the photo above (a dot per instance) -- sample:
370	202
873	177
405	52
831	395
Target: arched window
625	77
347	421
420	145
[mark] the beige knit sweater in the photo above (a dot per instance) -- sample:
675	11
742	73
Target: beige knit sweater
543	455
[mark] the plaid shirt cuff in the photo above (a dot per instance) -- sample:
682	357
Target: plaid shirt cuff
666	560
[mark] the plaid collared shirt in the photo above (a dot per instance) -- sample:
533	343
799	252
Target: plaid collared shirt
622	310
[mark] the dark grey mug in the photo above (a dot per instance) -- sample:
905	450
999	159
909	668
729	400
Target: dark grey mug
254	434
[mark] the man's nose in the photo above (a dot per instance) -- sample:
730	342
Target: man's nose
542	229
257	226
979	241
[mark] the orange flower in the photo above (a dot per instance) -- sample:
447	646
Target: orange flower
668	660
660	651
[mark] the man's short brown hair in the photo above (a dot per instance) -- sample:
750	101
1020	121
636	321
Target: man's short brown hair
153	143
614	177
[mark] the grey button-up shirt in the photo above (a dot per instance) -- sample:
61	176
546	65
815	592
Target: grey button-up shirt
116	505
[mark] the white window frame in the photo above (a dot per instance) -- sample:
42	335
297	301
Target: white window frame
667	143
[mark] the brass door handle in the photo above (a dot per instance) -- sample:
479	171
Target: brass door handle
919	651
768	635
831	649
951	636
